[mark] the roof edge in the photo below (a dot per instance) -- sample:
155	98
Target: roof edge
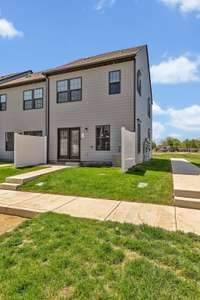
89	65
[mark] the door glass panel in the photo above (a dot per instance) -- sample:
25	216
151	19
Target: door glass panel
74	145
63	142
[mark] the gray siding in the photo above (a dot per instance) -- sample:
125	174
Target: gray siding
15	119
142	101
96	108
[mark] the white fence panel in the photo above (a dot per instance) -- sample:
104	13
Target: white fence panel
127	149
30	150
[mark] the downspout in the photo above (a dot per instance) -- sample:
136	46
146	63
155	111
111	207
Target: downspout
134	96
47	115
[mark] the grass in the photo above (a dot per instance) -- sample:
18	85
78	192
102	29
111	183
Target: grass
59	257
192	157
11	171
110	183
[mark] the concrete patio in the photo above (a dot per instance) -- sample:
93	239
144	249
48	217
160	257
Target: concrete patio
168	217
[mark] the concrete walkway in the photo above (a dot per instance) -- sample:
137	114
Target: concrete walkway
13	182
186	183
27	204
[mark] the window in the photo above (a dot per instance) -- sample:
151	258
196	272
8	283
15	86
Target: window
103	138
75	89
114	82
9	138
149	134
69	90
33	133
138	136
33	99
139	82
149	107
3	99
62	91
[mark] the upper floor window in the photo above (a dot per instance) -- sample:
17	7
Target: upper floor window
114	82
33	99
139	82
149	107
103	137
3	99
69	90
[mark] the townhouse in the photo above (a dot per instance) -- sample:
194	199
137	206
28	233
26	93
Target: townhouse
81	107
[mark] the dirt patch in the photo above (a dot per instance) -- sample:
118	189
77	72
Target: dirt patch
8	223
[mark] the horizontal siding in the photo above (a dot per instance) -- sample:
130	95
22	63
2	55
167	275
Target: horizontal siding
16	119
96	108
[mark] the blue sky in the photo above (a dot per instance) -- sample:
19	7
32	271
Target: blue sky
41	34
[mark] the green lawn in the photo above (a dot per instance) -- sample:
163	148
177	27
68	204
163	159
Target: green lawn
11	171
192	157
59	257
110	183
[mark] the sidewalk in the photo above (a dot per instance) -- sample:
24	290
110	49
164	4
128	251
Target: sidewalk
27	204
186	183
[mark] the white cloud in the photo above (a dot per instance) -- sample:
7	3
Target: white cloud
187	118
176	70
158	129
7	30
101	4
157	109
185	6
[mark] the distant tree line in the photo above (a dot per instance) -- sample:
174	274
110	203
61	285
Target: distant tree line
174	144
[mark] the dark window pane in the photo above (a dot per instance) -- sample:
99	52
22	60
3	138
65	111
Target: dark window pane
39	103
138	137
114	82
103	137
2	102
115	88
62	97
33	133
2	106
75	95
9	139
28	104
139	82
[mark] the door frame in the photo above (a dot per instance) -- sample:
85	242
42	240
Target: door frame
69	157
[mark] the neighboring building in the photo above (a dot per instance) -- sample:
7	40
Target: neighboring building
81	107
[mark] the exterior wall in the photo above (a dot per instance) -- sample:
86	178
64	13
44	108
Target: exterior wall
15	119
142	101
96	108
30	150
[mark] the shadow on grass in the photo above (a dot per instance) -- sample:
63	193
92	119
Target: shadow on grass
159	165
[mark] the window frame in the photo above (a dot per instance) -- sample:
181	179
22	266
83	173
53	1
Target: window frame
33	100
149	110
3	102
139	82
110	83
103	137
139	136
69	90
8	147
